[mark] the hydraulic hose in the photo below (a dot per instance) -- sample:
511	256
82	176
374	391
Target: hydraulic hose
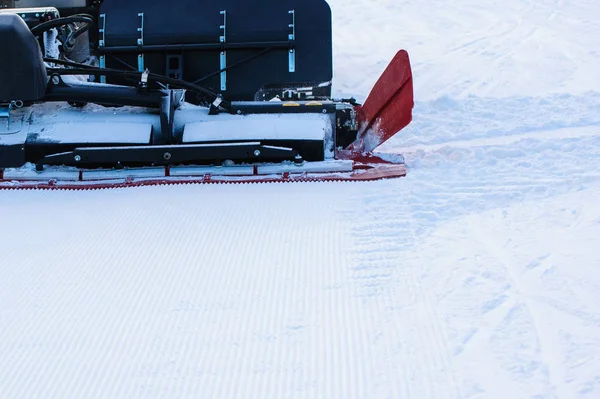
86	19
82	69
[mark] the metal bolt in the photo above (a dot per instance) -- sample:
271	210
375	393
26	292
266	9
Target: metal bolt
324	111
77	158
167	156
256	153
239	111
55	79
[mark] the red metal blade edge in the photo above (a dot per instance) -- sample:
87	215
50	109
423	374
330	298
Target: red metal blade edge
368	168
388	108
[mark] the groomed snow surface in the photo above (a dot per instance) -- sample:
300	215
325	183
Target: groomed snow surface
476	276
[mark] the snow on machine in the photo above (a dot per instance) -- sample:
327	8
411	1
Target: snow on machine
112	93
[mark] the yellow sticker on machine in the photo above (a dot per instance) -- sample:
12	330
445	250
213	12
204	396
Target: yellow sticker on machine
314	104
291	104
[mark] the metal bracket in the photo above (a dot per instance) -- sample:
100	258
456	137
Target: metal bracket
172	154
223	56
167	113
102	43
140	42
5	110
292	38
174	65
144	79
5	113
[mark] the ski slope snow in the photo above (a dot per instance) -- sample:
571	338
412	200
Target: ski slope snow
476	276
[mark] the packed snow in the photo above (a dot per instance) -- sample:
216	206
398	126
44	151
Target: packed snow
476	276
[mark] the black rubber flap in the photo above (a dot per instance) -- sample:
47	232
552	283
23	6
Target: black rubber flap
22	71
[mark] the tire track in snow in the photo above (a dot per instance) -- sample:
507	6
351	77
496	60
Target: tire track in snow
415	345
520	303
557	288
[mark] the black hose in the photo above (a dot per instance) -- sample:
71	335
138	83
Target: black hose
88	20
120	61
83	69
69	63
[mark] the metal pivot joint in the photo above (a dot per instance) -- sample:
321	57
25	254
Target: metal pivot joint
292	38
223	56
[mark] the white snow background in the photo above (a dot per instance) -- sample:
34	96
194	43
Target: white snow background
476	276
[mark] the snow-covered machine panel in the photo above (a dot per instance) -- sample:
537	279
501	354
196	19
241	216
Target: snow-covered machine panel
253	127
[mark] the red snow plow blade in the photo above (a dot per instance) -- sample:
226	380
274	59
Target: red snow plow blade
388	108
